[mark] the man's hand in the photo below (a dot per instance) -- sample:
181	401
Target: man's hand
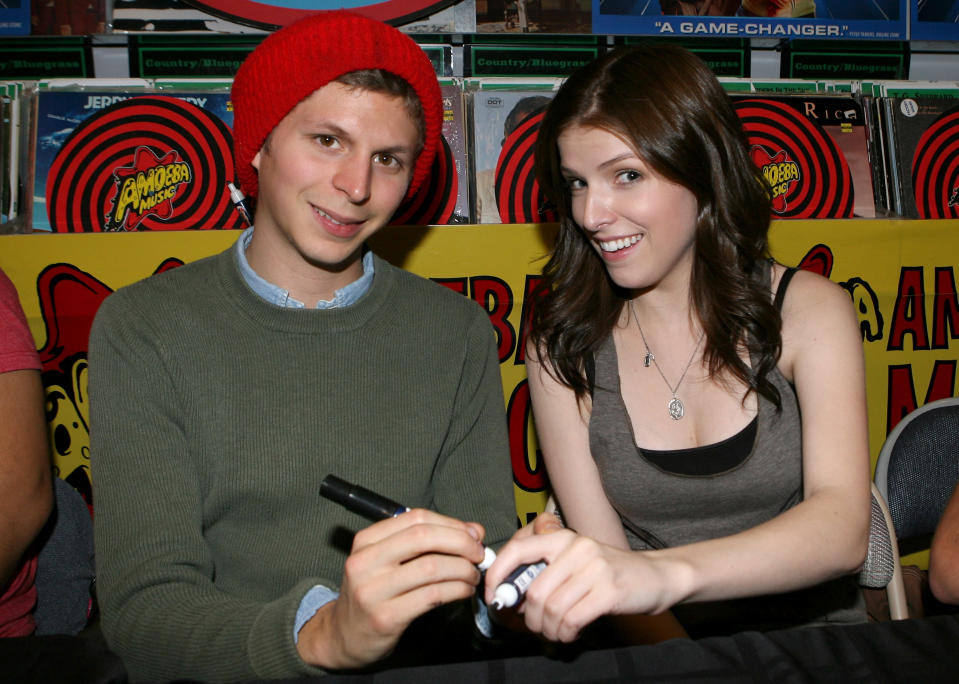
398	569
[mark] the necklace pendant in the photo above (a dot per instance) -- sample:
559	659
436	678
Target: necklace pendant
649	357
676	408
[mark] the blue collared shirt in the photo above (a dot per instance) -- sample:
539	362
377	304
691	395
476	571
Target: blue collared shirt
274	294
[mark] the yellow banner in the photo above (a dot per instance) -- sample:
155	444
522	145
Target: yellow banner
900	275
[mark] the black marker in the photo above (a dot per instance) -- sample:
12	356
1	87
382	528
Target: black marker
511	590
239	201
373	506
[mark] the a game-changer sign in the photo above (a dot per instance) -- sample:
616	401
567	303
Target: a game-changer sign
802	19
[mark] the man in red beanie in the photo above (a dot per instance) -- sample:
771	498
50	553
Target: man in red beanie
224	391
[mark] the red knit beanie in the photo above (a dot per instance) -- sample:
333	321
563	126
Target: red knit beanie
292	63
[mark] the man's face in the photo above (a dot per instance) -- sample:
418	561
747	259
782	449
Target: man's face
331	174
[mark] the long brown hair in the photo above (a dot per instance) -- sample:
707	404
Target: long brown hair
667	104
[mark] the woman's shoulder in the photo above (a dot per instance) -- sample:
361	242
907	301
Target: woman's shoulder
799	289
814	310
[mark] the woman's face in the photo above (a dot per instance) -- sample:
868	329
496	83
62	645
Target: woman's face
642	225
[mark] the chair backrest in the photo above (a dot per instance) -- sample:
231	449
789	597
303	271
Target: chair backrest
918	467
881	569
881	555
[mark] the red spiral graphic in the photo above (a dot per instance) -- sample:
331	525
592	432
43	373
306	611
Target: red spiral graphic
782	138
518	195
435	202
935	168
133	138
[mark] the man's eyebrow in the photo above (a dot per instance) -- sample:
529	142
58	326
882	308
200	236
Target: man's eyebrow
327	127
334	129
396	150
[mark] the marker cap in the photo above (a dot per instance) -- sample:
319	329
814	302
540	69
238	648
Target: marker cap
488	557
505	596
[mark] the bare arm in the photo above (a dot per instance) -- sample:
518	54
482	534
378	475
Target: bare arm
563	433
821	538
26	493
944	554
825	535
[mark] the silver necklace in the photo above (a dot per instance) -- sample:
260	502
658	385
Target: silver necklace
675	407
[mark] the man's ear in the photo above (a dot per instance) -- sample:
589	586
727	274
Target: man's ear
256	160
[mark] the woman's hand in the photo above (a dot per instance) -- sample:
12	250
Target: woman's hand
583	579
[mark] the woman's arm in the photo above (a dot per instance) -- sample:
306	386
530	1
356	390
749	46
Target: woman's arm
563	433
826	534
822	537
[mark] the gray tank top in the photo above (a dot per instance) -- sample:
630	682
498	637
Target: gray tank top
660	508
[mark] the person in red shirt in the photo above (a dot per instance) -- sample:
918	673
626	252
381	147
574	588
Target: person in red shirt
26	492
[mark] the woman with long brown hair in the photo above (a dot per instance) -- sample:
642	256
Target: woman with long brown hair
701	408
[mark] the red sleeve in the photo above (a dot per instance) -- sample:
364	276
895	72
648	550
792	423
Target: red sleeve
17	347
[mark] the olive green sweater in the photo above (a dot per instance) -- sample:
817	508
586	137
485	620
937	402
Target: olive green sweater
214	417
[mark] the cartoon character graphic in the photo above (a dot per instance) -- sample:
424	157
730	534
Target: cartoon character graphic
69	299
147	187
780	172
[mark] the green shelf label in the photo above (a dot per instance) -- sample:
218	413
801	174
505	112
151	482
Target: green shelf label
531	61
171	56
39	59
170	62
860	61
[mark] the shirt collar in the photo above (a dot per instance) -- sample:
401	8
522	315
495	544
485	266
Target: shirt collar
274	294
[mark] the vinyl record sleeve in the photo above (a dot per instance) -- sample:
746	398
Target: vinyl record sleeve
497	108
17	114
86	148
457	137
67	17
6	138
444	198
878	156
923	135
814	150
524	17
15	18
